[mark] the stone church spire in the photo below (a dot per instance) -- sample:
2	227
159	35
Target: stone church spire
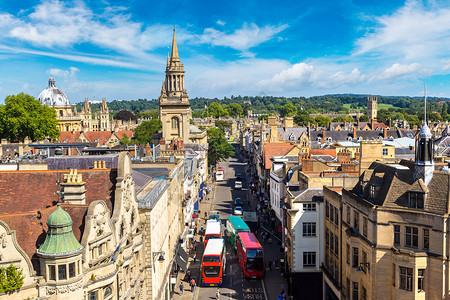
174	55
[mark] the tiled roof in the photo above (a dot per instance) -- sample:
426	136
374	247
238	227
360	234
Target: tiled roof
331	152
309	195
99	137
291	133
274	149
69	136
128	133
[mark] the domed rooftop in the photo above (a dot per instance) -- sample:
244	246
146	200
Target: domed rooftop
60	238
52	96
425	132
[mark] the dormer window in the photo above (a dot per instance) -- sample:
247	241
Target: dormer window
416	200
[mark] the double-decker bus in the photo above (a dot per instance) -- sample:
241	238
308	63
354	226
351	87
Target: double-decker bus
220	174
213	263
234	226
212	230
250	254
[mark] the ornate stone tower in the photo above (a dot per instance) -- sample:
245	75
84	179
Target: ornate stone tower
86	116
104	117
174	107
372	108
424	164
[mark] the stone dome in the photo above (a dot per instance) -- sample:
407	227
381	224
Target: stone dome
425	132
52	96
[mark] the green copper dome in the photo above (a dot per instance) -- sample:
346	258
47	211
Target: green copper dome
60	238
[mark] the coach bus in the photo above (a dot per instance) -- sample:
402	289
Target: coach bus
250	254
212	230
220	174
234	226
213	263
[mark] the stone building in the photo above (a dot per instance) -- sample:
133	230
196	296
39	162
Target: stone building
372	108
174	107
69	119
392	229
74	233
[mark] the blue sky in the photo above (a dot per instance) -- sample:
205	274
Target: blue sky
118	49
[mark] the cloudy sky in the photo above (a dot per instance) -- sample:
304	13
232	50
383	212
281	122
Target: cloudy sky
118	49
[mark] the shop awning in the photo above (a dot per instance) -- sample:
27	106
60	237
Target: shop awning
181	257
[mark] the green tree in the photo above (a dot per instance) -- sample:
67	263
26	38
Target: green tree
287	110
216	110
234	110
338	119
322	121
223	125
364	118
23	116
11	279
303	119
218	147
125	140
143	134
349	119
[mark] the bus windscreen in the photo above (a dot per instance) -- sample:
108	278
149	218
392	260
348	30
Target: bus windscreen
211	271
211	259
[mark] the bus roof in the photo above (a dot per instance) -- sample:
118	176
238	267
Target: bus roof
214	247
239	224
249	239
212	227
220	168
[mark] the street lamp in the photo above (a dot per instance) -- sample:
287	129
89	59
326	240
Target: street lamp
161	255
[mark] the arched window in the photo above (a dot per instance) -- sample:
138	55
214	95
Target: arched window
175	123
107	292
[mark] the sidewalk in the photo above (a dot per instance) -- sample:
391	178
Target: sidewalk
194	267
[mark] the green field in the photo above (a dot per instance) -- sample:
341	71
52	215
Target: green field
380	106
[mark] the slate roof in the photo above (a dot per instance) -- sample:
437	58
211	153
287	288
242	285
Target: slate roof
294	132
395	181
309	195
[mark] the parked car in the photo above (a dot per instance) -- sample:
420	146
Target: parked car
239	176
238	202
238	185
238	210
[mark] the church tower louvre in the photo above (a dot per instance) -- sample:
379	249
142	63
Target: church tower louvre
174	106
424	162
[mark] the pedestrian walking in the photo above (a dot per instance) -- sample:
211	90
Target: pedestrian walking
269	240
270	263
188	274
181	288
218	294
195	230
192	284
195	258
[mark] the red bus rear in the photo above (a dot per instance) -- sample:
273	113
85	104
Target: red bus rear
213	263
250	254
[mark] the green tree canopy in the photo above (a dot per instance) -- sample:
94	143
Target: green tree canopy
11	279
349	119
223	125
303	119
338	119
234	110
219	149
287	110
23	116
364	118
216	110
143	134
322	121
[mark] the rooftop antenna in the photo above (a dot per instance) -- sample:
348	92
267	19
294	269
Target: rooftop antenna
425	115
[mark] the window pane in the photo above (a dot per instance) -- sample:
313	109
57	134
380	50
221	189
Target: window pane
52	272
71	270
62	272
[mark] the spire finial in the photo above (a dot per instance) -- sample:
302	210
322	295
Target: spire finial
174	56
425	115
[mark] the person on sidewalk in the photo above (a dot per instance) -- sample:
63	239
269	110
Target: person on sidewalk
181	288
218	294
195	258
188	275
192	284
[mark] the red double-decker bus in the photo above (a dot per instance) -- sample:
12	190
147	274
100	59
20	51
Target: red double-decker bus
220	174
213	263
250	254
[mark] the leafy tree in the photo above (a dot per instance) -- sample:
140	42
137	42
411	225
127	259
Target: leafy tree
234	110
349	119
125	115
143	134
11	279
23	116
125	140
263	117
287	110
216	110
303	120
152	114
322	121
223	125
219	149
364	118
338	119
444	113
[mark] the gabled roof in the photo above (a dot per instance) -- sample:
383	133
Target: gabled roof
128	133
100	137
69	137
274	149
294	132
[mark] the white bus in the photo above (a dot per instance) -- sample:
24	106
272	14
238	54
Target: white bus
220	174
212	230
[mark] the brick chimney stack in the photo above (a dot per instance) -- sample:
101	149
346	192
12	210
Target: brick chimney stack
385	133
323	136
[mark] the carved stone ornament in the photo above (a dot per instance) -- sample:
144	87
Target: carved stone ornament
51	290
3	240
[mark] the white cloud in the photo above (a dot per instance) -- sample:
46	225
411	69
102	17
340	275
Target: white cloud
412	32
446	64
250	35
398	70
66	74
220	22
